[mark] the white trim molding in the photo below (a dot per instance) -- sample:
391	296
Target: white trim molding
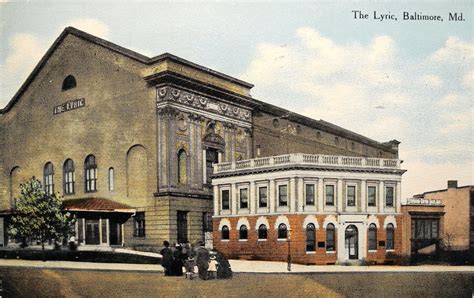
390	219
330	219
372	219
310	219
243	221
261	220
282	220
224	222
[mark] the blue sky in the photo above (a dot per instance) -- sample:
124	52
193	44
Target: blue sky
408	80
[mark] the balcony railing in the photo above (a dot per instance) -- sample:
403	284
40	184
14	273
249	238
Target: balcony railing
308	159
424	202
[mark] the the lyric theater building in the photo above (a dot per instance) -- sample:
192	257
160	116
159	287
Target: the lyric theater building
130	141
315	209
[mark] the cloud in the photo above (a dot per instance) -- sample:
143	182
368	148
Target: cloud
431	81
455	50
89	25
468	79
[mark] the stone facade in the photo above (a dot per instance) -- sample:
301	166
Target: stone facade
155	126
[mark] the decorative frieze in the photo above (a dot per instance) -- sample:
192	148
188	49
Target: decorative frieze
202	102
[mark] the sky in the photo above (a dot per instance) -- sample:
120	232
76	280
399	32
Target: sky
392	79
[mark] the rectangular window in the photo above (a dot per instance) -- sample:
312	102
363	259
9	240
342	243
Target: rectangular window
309	194
139	224
262	197
389	196
244	199
48	184
425	228
91	179
282	195
350	196
225	194
371	196
330	195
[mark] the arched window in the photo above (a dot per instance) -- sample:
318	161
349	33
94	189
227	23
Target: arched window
243	234
48	172
390	237
330	237
182	165
225	233
69	83
282	231
310	237
68	177
111	179
262	232
372	237
90	168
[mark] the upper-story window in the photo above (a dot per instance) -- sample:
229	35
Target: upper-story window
389	196
262	232
309	194
372	237
371	196
48	173
330	195
244	198
330	237
90	169
69	83
225	199
390	232
262	197
282	195
111	179
69	177
351	196
212	156
182	166
225	233
310	237
282	231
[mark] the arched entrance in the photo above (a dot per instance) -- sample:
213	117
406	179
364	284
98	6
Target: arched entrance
352	242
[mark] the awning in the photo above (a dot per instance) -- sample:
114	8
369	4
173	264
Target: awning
96	205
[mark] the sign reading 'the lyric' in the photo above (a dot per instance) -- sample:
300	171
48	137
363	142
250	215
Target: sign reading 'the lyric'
69	105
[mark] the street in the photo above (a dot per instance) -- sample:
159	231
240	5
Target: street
29	282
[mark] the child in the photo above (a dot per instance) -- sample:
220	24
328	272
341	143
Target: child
189	266
212	271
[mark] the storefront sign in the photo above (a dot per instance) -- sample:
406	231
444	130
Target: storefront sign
69	105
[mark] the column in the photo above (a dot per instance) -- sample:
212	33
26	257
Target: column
204	167
252	198
300	196
341	241
107	227
398	196
233	195
271	196
339	196
100	231
292	195
320	195
381	197
363	196
216	200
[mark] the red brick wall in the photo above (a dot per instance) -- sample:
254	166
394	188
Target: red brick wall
274	250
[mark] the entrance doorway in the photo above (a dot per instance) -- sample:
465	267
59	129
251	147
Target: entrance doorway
115	236
182	226
92	231
352	242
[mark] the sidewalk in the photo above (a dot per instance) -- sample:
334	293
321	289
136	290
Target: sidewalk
237	266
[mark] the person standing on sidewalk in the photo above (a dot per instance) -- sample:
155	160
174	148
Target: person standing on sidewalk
202	260
167	257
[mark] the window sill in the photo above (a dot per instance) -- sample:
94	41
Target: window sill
331	252
281	239
310	252
225	240
243	240
139	237
372	250
390	250
261	240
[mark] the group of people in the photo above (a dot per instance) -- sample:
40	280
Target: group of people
210	264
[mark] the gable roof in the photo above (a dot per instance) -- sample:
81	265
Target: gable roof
117	49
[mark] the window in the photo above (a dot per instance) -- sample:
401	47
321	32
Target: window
309	194
90	168
425	228
390	237
69	83
182	163
207	222
282	195
389	196
243	232
244	200
48	173
111	179
330	195
371	196
212	156
310	237
225	199
350	196
372	237
262	197
68	177
330	237
262	232
225	233
282	231
139	224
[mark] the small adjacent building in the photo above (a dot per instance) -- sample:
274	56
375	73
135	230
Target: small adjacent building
312	209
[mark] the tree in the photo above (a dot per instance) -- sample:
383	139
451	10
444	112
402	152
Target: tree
39	215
